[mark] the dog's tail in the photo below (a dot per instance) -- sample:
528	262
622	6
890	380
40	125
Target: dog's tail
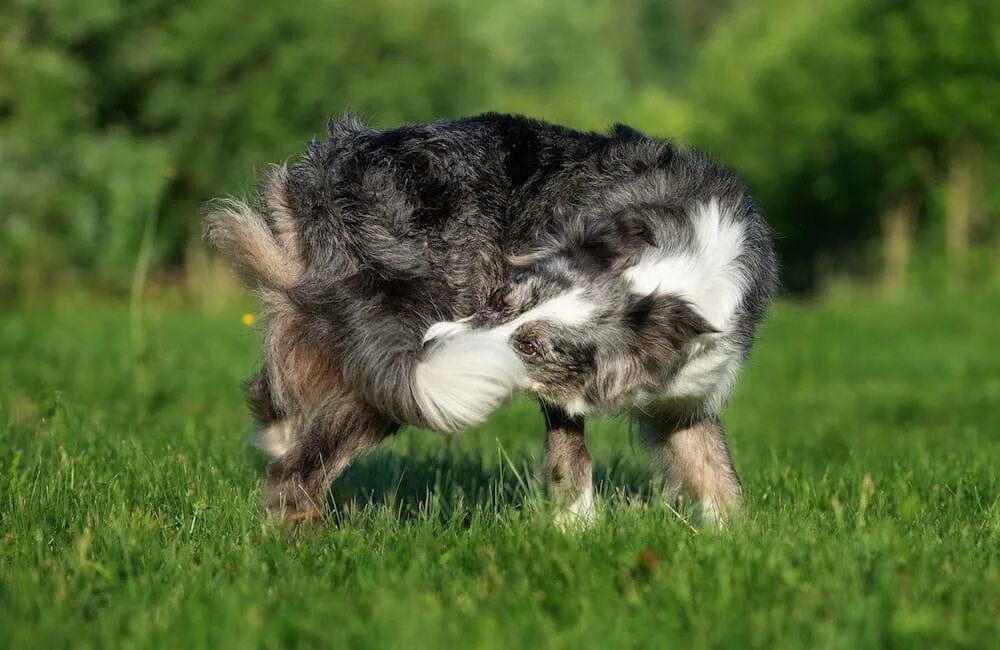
250	238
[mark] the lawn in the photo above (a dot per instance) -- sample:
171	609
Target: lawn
867	436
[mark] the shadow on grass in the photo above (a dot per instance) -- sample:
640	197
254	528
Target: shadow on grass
449	488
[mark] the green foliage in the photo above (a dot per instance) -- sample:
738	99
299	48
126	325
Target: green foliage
78	183
117	114
130	517
835	109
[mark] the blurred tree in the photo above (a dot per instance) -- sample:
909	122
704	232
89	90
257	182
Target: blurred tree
843	109
670	34
171	103
242	88
118	116
932	109
76	184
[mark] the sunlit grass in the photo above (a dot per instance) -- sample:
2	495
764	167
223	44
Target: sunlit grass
867	437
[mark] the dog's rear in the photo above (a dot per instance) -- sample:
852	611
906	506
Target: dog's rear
316	350
342	366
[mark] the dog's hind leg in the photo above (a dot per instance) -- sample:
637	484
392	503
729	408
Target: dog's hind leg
568	467
695	458
298	480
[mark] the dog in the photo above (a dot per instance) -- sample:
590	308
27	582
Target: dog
424	274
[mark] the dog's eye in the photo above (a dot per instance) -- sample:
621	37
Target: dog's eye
526	347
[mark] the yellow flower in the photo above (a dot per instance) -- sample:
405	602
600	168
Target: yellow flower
248	319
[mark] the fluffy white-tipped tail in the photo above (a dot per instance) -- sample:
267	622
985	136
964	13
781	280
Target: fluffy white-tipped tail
464	378
243	236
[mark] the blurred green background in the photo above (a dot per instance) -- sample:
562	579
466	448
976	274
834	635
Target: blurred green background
865	428
868	130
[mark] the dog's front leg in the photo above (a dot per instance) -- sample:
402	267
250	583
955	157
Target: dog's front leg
695	458
568	468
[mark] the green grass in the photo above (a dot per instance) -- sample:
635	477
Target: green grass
868	438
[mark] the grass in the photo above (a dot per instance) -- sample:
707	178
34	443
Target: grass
867	435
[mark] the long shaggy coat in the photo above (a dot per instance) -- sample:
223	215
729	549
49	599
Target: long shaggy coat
423	274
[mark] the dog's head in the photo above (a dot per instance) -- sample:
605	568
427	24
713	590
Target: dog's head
584	338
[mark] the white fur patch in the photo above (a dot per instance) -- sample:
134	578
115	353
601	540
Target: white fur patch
570	308
444	329
464	378
578	406
579	513
707	375
705	274
471	372
276	439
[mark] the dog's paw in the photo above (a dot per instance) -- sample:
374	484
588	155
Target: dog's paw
288	501
275	439
578	515
716	515
295	519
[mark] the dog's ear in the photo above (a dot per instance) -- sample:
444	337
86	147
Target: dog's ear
657	332
608	242
662	326
626	133
632	227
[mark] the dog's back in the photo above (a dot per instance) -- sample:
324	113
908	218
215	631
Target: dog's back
423	205
371	236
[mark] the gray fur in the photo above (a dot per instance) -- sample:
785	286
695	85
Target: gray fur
371	237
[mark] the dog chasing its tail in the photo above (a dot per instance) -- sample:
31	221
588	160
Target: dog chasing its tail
456	383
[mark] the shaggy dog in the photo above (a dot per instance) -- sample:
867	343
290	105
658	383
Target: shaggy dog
422	275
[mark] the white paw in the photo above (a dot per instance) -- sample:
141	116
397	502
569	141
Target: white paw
276	439
714	514
578	515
